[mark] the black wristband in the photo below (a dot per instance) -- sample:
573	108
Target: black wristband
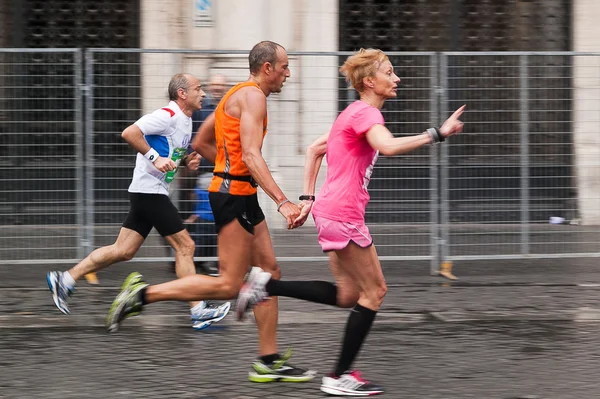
306	197
436	135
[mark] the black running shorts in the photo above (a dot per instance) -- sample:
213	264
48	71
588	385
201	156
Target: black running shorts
243	208
153	210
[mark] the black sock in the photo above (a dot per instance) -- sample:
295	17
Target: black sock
142	294
314	291
357	328
268	359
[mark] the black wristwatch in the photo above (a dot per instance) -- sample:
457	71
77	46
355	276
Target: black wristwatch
307	198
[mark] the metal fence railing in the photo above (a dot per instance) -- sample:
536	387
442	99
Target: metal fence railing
521	163
41	152
530	153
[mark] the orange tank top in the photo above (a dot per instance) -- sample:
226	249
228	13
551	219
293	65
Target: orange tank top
229	150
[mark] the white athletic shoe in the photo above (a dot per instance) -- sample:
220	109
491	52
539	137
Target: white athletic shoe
252	292
60	293
349	384
209	315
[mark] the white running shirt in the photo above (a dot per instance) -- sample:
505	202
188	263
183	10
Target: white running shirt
168	130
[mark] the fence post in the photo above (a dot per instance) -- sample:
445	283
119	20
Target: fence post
89	150
444	194
434	180
79	155
524	151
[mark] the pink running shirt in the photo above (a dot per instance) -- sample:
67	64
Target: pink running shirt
350	161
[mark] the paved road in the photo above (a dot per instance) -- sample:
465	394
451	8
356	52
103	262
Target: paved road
504	330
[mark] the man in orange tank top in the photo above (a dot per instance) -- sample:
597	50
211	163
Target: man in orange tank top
232	138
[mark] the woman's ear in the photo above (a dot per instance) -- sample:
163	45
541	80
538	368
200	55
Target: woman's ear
368	82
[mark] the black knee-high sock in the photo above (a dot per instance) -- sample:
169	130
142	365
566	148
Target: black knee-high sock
314	291
357	328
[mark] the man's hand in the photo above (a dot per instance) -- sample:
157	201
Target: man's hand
305	207
453	125
290	212
164	164
193	161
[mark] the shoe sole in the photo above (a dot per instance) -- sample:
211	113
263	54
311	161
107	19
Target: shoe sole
265	378
55	295
339	392
117	305
114	312
114	327
204	325
115	309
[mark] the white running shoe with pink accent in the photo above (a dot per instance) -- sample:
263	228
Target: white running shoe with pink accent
252	292
349	384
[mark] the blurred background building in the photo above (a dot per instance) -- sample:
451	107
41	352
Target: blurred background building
210	36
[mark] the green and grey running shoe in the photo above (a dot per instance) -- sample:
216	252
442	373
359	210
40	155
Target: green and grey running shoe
131	280
128	303
279	370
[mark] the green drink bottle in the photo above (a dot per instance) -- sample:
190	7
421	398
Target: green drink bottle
178	154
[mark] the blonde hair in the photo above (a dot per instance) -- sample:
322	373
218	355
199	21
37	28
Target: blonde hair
362	64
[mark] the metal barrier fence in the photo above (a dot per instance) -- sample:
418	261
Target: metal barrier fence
527	158
530	151
41	153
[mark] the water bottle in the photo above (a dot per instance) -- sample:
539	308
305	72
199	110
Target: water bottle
177	156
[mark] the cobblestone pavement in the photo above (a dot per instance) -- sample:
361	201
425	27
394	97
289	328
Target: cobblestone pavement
504	330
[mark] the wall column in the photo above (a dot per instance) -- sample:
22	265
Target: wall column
586	109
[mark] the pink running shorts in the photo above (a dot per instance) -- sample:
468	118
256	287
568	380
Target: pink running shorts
334	235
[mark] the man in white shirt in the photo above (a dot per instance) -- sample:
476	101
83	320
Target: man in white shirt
161	139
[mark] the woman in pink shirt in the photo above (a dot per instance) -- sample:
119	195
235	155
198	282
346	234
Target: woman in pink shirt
356	139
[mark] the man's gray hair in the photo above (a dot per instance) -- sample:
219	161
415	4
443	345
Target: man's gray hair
265	51
179	81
